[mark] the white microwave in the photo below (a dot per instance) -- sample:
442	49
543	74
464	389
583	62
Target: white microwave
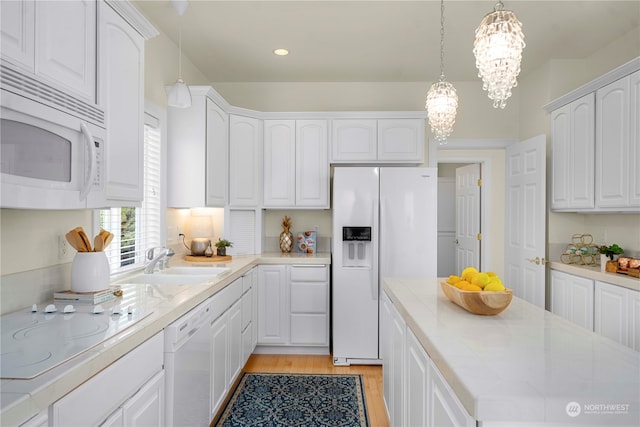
49	159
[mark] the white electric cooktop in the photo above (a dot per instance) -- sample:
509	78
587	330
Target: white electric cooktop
34	342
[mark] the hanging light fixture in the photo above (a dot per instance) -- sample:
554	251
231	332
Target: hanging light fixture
498	51
442	99
178	95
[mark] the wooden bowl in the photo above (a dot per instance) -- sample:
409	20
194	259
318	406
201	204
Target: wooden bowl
486	303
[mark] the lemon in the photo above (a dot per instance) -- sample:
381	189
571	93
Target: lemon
453	279
461	284
480	280
491	274
468	272
471	287
495	286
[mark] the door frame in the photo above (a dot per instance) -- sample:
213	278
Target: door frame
435	157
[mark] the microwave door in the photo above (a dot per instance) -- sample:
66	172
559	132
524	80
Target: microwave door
41	164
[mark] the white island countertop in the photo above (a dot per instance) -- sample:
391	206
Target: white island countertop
22	399
523	365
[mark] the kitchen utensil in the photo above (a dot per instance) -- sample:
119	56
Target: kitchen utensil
98	243
485	302
107	237
85	239
71	238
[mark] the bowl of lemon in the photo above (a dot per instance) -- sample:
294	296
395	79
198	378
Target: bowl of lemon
477	292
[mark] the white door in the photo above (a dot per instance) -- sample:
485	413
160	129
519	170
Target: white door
446	226
468	217
525	219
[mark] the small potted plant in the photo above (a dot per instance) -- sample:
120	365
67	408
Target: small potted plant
612	252
221	246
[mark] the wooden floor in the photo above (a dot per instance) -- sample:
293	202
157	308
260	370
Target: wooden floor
306	364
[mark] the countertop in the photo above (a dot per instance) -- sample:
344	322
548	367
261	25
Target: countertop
524	364
593	272
20	400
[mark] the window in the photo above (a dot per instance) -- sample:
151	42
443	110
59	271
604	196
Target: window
137	229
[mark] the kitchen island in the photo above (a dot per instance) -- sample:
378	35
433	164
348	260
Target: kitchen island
524	365
28	399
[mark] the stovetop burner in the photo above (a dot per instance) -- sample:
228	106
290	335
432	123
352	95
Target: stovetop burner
35	342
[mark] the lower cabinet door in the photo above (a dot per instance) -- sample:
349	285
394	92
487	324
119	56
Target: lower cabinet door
309	329
220	361
235	343
417	382
446	409
146	407
247	343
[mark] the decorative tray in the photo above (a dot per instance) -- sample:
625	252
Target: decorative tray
485	303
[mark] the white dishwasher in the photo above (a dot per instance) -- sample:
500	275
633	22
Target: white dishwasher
188	368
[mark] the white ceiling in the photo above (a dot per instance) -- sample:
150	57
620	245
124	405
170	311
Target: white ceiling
329	40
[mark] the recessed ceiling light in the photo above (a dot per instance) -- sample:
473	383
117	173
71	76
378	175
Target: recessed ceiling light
281	52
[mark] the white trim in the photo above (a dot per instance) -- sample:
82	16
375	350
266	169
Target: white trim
485	224
160	114
595	84
466	144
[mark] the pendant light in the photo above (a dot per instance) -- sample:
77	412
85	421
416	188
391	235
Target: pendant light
498	51
178	95
442	99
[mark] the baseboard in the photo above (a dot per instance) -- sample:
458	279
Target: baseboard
280	349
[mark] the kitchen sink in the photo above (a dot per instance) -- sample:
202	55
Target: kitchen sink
168	279
201	271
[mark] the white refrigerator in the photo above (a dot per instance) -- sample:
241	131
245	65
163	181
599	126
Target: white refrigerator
384	225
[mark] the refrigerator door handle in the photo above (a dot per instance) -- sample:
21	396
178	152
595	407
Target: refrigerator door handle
374	264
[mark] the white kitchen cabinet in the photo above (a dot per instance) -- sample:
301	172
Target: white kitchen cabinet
572	298
17	33
616	144
134	381
197	146
235	342
249	318
418	384
54	40
612	312
393	333
279	163
122	96
40	420
445	407
220	362
293	308
256	319
572	161
377	141
401	140
273	305
309	295
634	320
312	163
296	167
354	140
245	161
65	45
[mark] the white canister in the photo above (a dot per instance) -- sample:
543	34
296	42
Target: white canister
89	272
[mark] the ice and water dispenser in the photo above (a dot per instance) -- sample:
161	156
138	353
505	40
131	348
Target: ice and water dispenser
357	248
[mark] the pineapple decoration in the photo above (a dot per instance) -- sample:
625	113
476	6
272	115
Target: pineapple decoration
286	238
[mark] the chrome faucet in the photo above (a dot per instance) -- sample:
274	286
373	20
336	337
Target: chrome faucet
162	259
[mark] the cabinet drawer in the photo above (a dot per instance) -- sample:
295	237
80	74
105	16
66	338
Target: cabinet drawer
309	329
224	299
91	403
309	298
309	273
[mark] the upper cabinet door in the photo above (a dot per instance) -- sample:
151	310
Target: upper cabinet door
279	163
354	140
17	32
217	141
612	144
634	142
66	45
122	96
245	161
312	163
401	140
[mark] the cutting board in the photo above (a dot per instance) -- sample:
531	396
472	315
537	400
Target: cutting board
215	258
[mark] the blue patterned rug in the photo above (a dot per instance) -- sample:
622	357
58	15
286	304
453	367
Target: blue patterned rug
279	400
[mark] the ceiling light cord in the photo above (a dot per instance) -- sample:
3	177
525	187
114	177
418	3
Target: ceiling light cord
180	50
442	40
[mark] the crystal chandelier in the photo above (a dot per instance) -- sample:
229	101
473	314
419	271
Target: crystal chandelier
442	100
498	51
